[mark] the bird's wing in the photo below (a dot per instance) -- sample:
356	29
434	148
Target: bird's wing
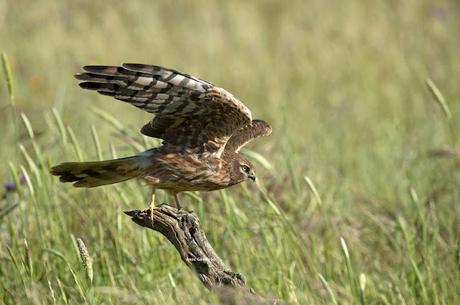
190	113
246	134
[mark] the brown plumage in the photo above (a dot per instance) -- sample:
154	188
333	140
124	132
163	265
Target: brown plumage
202	126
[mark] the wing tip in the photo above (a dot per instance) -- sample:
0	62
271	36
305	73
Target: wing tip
96	68
148	69
128	65
136	67
89	85
102	88
264	126
104	69
83	76
107	93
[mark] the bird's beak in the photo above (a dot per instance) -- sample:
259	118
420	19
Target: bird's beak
252	176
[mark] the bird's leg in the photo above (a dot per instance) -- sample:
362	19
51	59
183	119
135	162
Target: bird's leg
151	204
176	200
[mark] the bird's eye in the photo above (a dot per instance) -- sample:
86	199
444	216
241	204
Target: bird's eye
245	168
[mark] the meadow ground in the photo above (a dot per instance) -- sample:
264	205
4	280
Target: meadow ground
357	200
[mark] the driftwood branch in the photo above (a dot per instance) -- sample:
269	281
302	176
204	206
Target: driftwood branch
183	230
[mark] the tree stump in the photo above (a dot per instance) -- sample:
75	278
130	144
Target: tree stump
183	230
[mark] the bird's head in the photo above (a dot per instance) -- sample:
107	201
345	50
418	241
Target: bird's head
242	169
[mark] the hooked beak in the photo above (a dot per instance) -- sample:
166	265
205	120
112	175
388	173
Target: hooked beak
252	176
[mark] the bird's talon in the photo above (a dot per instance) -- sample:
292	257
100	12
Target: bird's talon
150	211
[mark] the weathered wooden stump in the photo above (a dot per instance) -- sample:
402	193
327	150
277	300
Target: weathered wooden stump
183	230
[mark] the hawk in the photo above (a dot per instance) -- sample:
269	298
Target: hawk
202	126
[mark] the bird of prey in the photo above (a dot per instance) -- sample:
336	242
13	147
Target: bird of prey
202	127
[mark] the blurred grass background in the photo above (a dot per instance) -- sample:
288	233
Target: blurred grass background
343	84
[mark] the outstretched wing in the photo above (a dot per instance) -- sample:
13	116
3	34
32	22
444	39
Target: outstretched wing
189	112
246	134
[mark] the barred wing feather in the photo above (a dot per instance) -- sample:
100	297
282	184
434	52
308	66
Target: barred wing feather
189	112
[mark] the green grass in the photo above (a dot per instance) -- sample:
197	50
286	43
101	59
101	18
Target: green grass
357	200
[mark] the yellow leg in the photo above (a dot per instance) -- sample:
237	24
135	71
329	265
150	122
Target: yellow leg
152	203
176	200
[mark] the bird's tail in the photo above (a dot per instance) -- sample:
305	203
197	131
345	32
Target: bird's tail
91	174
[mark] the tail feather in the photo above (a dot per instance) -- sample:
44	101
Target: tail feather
97	173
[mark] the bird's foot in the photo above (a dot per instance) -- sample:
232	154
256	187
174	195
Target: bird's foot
149	210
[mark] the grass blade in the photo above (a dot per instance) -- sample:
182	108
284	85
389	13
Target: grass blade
96	142
328	288
9	77
29	129
60	124
439	98
313	189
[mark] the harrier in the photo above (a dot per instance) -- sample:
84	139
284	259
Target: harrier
202	127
